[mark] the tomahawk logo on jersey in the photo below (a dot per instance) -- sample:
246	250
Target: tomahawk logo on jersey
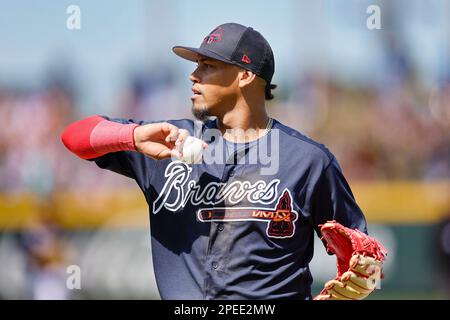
281	219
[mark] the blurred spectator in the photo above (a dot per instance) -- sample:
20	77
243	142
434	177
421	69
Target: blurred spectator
46	260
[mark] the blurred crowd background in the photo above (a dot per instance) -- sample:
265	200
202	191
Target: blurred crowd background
378	99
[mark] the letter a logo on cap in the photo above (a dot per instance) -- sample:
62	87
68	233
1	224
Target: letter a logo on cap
246	59
215	36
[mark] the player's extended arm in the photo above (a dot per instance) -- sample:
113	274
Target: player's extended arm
95	136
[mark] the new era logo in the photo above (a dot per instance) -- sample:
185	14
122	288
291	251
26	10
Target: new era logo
246	59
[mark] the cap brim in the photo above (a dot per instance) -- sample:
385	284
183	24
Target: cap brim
191	54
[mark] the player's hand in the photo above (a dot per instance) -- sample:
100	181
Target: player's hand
160	140
359	262
356	283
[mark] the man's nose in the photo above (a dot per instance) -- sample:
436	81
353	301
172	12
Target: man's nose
194	76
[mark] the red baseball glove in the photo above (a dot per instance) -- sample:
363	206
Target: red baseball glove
359	262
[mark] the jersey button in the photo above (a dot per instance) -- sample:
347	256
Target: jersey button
215	265
231	173
220	227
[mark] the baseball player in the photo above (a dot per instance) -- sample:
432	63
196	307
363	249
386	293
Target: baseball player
228	227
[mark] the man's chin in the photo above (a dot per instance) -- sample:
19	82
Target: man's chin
201	113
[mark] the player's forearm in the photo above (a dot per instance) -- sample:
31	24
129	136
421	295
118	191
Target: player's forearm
95	136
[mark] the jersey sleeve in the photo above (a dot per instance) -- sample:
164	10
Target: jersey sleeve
334	200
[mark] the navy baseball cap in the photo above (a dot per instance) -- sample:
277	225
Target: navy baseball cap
238	45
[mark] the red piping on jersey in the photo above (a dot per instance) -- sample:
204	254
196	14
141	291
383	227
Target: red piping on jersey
95	136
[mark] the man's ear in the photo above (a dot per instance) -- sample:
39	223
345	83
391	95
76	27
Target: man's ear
245	78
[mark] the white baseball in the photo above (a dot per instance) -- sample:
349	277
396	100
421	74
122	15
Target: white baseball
192	150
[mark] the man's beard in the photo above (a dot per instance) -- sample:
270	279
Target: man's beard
202	114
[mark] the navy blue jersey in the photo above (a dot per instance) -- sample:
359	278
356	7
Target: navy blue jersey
228	230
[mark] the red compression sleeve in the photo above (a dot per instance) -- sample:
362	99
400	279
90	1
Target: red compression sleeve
95	136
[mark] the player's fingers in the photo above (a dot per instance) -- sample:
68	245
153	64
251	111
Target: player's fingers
171	132
181	139
166	153
324	297
366	266
362	284
182	135
163	154
175	153
341	291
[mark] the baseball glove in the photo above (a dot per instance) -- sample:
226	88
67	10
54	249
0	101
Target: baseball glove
359	262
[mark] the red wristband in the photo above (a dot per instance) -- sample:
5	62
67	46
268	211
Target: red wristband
95	136
109	136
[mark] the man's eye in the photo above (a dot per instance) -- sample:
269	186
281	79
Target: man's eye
204	65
